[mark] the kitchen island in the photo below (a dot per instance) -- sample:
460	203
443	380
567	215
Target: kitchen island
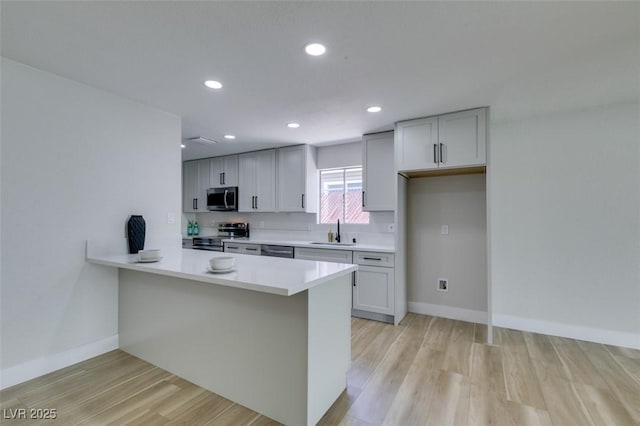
273	335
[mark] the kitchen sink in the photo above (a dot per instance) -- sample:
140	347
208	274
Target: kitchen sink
324	243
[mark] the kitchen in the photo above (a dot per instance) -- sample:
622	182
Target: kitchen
84	121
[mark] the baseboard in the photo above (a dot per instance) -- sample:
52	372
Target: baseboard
451	312
596	335
372	316
38	367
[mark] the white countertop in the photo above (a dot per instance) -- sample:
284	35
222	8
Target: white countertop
273	275
308	244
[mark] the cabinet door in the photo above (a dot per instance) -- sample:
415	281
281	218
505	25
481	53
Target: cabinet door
373	289
379	180
204	183
414	144
246	182
217	168
463	138
265	181
291	178
230	170
189	186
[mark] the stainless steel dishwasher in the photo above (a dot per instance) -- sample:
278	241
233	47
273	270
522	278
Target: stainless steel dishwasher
276	251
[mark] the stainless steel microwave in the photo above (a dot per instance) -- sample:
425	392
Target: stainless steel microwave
222	199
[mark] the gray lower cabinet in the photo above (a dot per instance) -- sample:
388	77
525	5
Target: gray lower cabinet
242	248
373	284
326	255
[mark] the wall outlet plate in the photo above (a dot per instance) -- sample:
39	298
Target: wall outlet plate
443	284
444	230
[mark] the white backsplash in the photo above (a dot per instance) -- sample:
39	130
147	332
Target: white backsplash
297	226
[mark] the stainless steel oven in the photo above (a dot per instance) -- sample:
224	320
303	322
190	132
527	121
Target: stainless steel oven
226	231
207	243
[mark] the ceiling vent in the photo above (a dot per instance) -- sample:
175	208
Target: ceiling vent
202	140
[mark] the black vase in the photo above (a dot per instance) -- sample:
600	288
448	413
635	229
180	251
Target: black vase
136	233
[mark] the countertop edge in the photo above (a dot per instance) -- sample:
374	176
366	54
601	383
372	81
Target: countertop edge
219	280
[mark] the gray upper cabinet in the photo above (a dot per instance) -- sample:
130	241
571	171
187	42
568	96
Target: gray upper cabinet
189	186
257	181
224	171
415	142
451	141
379	175
297	179
463	138
195	182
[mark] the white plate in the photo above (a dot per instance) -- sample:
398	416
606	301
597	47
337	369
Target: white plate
220	271
149	260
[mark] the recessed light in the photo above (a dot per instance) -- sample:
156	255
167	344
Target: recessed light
229	137
315	49
293	125
374	109
212	84
182	145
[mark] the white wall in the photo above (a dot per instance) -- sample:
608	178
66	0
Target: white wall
461	256
76	162
301	226
342	155
565	220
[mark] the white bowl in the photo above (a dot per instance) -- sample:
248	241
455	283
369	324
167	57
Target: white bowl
222	262
149	254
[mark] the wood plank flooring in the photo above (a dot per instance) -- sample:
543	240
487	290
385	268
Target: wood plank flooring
426	371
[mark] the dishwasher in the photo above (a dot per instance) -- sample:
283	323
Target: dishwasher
276	251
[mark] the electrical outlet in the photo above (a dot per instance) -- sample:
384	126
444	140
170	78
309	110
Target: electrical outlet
444	230
171	218
443	284
391	227
261	224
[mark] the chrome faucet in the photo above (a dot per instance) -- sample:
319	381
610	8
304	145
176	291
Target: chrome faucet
338	232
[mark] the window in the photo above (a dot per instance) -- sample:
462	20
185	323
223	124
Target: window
341	196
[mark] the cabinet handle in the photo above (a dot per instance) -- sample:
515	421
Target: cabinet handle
250	249
435	148
220	178
441	156
303	201
232	247
195	204
372	258
362	198
256	201
224	178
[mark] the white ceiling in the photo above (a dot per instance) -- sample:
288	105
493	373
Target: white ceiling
412	58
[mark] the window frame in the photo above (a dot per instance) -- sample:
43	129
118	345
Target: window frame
344	194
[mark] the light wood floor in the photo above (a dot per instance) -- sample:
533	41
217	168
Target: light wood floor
426	371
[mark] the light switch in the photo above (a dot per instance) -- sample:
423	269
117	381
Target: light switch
444	230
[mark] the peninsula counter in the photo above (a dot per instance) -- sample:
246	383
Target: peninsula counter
274	335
